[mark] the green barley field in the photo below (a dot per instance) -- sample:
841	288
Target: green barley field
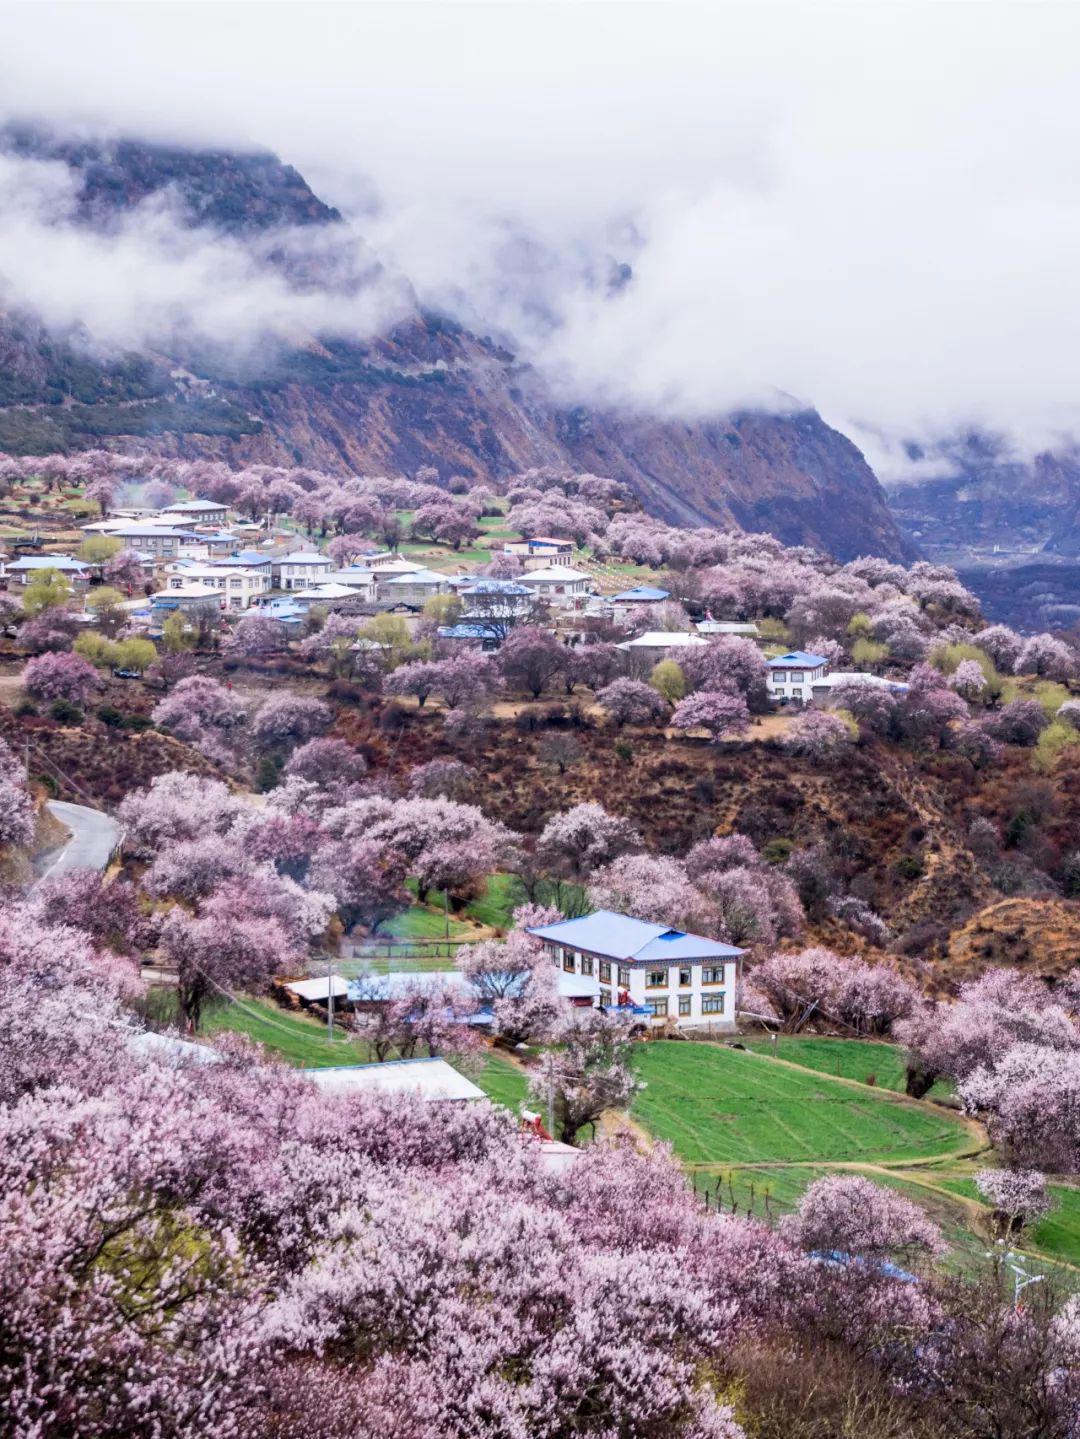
716	1105
869	1061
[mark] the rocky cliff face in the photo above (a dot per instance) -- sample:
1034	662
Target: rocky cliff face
989	501
429	392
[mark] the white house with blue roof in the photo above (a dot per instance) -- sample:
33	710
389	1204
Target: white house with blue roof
665	974
793	676
641	595
26	569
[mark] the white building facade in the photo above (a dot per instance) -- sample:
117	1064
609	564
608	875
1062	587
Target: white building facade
558	583
793	676
239	588
301	570
664	975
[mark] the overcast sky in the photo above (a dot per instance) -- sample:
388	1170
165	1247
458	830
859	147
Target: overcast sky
874	209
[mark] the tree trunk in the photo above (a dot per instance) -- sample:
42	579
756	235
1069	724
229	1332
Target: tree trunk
918	1082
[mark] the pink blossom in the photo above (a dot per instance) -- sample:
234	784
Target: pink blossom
59	676
719	712
849	1214
288	719
1019	1196
630	701
580	840
818	736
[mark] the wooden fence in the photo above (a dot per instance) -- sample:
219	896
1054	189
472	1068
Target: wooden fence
720	1196
402	948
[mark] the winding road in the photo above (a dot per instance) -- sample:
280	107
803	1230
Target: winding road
94	836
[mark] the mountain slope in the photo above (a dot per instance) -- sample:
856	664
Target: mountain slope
429	392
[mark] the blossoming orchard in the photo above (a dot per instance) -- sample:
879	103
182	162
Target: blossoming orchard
480	961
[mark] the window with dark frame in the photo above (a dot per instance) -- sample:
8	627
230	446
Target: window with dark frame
656	979
684	1004
713	1004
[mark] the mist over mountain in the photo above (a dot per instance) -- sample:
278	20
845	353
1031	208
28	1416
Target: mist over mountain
239	316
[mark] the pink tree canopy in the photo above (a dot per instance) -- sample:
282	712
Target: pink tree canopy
850	1215
630	701
60	676
721	713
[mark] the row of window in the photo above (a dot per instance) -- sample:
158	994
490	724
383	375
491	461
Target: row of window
710	974
654	978
710	1004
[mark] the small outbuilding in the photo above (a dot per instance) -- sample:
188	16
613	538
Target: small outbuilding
431	1080
641	595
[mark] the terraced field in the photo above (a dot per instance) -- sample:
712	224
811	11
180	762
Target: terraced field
716	1105
754	1127
867	1060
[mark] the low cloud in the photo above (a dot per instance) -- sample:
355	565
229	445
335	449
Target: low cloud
151	280
872	209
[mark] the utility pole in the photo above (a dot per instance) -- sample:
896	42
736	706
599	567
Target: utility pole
330	996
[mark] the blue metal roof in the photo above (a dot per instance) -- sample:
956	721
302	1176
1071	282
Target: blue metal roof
47	562
619	936
243	559
642	592
496	587
464	632
797	659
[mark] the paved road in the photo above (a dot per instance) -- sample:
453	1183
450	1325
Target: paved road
94	836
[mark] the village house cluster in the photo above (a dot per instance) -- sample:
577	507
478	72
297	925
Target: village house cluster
202	561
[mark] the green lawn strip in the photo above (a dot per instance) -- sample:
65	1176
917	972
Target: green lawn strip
442	557
495	907
302	1042
376	963
422	921
843	1058
716	1105
1058	1235
501	1080
297	1038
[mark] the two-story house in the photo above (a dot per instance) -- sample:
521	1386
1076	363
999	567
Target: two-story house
240	588
666	973
558	583
793	676
412	589
301	569
194	512
540	551
161	541
26	569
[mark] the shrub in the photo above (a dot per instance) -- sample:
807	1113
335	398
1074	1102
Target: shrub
869	654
